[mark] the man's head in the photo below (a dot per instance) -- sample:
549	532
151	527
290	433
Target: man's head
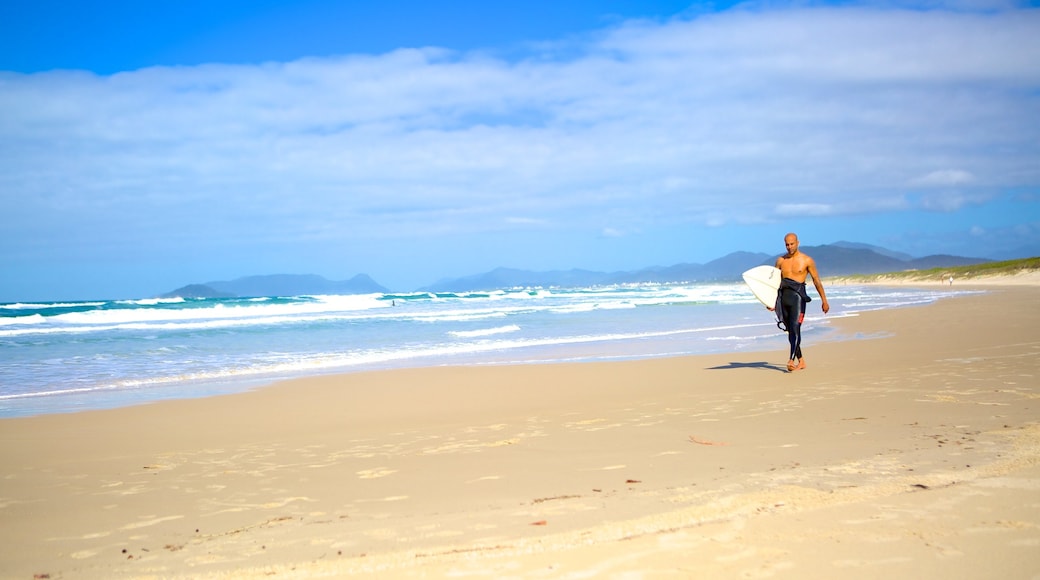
791	242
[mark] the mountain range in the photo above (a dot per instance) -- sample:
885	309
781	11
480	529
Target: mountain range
838	259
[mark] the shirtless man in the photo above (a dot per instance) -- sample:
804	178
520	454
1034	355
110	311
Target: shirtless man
795	267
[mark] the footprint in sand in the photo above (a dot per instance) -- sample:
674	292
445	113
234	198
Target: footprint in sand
584	422
152	522
496	427
375	473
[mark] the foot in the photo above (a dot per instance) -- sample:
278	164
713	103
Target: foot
801	363
791	367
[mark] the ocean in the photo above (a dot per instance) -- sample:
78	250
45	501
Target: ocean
72	356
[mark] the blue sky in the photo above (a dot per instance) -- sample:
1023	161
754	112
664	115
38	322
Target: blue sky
148	145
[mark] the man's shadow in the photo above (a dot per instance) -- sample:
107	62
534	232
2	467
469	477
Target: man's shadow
749	365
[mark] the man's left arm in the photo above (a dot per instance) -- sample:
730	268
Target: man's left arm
819	285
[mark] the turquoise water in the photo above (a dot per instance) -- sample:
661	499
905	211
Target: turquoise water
63	357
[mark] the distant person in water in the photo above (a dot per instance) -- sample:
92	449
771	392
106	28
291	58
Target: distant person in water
792	298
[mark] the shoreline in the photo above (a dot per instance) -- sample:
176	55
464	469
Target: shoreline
704	465
141	376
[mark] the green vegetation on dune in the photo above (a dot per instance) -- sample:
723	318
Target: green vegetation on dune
974	271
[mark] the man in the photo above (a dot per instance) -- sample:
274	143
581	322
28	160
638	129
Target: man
795	267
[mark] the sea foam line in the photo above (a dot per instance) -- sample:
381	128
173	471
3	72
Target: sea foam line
485	331
48	305
330	362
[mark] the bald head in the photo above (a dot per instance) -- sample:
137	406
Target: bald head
791	242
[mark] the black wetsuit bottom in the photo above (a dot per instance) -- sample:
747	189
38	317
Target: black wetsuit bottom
792	301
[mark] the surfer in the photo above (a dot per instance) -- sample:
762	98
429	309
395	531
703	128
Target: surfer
791	300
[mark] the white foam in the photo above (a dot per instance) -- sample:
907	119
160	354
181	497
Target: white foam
49	305
22	320
152	301
244	313
485	331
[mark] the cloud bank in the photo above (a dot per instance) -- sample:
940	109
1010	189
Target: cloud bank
739	117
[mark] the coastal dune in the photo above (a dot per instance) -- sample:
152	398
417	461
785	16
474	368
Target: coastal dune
909	448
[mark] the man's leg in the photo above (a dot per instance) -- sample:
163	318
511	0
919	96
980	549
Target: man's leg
801	319
794	336
794	313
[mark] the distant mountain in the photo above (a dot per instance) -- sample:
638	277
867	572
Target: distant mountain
866	264
725	269
279	285
833	260
840	259
729	267
877	249
196	291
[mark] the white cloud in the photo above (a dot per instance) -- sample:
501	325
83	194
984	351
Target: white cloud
950	201
523	221
945	177
845	206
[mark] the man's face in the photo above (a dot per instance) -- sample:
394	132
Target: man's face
792	244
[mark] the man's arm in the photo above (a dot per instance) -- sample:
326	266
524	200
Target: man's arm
819	285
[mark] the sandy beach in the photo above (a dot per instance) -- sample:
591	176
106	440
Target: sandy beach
909	450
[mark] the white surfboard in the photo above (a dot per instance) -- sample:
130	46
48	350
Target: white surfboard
764	282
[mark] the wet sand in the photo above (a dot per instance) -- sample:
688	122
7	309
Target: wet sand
910	450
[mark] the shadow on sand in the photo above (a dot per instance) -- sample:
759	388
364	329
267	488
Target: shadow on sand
749	365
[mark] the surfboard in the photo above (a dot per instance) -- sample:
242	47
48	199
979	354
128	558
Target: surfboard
764	282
